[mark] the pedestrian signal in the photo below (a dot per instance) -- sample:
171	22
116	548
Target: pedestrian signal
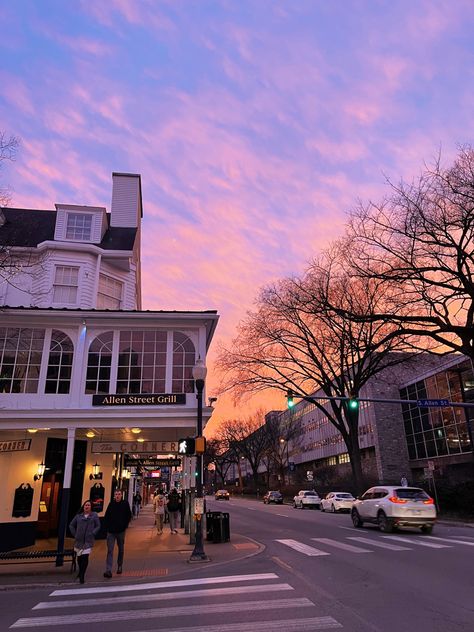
187	446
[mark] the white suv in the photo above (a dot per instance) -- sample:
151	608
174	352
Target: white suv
395	506
305	499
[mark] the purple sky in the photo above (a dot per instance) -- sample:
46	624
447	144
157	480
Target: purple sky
255	124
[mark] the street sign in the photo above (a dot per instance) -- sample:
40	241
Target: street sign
199	505
432	403
150	462
309	475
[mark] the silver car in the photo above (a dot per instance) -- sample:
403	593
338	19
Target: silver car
337	501
307	499
392	506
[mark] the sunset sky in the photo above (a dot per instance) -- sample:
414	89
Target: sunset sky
255	124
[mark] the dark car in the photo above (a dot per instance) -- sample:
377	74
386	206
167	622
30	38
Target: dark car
273	497
222	494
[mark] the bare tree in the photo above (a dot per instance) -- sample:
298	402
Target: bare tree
295	339
8	148
418	245
248	439
217	453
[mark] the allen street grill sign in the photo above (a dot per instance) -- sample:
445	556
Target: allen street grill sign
140	399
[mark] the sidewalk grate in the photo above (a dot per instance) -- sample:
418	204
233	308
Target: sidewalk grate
148	572
245	545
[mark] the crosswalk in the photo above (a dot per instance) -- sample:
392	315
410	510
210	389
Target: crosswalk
399	542
231	603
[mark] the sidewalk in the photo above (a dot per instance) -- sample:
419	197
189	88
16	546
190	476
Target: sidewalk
147	555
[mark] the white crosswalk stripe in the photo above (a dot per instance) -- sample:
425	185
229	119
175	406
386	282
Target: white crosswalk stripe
273	599
303	548
416	541
342	545
382	545
451	540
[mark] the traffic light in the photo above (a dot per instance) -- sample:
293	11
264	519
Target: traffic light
289	398
187	446
353	404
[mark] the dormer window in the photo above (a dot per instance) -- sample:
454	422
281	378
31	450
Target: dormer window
79	226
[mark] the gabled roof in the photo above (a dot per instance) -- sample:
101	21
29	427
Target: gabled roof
27	228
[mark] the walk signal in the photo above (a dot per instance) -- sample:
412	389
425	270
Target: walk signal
187	446
289	398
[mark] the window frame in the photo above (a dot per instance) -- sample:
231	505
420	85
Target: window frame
71	229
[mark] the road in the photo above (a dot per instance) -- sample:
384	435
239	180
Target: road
317	573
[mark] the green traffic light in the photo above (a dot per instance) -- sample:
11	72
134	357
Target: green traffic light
289	398
353	404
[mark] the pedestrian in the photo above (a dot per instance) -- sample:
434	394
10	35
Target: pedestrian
174	507
84	527
117	518
159	503
137	503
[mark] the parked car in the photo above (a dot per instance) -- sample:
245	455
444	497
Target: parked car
394	506
273	497
337	501
221	494
307	499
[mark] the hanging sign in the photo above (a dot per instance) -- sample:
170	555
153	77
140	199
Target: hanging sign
15	446
140	399
134	447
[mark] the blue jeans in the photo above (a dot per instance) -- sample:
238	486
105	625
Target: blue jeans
111	538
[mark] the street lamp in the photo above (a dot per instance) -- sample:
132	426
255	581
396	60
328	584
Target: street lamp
199	375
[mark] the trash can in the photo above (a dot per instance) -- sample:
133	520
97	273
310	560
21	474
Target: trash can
217	526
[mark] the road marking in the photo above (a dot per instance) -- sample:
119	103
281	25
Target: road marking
302	548
431	545
283	515
159	585
289	625
342	545
182	594
155	613
382	545
432	537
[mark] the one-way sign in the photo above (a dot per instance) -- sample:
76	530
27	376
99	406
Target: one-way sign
432	403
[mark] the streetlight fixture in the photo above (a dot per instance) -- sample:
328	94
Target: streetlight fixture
199	375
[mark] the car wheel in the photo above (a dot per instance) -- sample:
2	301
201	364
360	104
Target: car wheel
333	509
384	523
356	521
427	529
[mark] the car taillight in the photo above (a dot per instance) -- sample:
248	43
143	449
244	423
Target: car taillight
428	501
398	501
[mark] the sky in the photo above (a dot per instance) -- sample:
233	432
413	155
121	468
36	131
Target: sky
255	125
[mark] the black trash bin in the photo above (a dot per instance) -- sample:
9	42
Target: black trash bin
217	526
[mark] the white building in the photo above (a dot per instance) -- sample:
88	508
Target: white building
86	378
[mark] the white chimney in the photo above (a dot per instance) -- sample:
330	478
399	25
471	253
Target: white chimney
126	210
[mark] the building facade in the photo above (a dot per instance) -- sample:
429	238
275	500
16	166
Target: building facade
89	383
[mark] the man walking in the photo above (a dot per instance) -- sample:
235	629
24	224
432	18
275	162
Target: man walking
117	518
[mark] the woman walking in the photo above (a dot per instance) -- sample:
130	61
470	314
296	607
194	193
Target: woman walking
84	527
159	503
174	508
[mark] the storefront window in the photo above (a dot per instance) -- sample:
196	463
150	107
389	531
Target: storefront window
20	359
61	351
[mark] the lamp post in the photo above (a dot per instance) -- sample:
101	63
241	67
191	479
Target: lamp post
199	375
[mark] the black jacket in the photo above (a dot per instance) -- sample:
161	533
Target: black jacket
117	516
